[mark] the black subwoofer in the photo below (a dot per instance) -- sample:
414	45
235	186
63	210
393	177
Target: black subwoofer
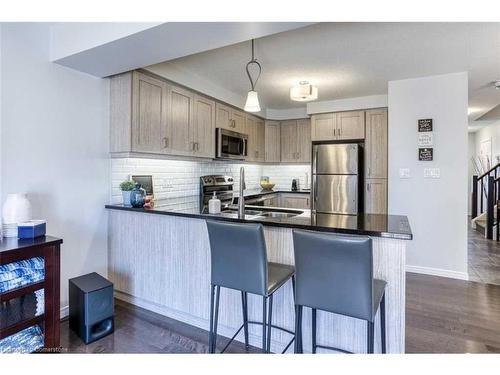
91	307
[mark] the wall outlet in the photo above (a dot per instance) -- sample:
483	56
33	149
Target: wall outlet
432	173
404	173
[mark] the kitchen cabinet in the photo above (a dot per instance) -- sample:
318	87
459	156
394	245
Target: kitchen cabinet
181	121
272	142
323	127
376	196
338	126
203	128
350	125
230	118
138	114
376	143
256	139
296	141
295	200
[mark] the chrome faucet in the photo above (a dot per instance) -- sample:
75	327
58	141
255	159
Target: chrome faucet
241	198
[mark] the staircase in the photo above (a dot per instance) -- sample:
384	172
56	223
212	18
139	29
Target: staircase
485	203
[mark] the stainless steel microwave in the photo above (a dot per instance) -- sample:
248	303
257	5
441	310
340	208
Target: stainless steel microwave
231	145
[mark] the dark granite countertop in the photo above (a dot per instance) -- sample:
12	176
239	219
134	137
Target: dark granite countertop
388	226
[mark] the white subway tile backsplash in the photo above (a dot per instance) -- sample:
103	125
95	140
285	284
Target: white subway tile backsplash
177	178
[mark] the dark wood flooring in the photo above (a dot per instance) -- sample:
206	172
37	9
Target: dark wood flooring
442	316
483	258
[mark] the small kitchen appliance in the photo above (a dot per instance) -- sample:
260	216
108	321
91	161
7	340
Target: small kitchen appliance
295	184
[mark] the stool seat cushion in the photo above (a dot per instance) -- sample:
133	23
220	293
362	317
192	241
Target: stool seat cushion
378	293
277	275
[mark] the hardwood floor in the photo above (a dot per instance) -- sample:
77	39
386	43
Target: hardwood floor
451	316
442	316
483	258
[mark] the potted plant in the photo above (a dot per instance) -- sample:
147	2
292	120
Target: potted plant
126	187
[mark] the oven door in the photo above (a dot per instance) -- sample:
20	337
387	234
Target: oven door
231	145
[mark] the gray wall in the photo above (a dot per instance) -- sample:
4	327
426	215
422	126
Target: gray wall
54	146
436	208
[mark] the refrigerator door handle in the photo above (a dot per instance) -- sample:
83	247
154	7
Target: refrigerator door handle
315	187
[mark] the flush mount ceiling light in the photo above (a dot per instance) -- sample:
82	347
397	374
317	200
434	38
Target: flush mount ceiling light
304	92
252	103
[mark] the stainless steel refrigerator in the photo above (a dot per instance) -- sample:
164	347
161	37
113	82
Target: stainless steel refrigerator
337	178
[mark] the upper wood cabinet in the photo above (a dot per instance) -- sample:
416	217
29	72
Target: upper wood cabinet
181	121
296	141
229	118
203	129
273	142
350	125
338	126
323	127
256	139
376	143
144	118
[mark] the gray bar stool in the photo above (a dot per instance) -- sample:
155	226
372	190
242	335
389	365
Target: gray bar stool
239	261
335	274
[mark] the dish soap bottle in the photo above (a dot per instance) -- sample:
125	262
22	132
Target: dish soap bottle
214	205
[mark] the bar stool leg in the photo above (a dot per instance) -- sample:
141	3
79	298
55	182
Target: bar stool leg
382	324
216	319
211	332
245	316
298	329
370	337
269	322
264	323
314	331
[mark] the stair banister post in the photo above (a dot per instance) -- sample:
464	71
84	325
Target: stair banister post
490	204
474	197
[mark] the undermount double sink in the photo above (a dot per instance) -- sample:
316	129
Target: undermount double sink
257	212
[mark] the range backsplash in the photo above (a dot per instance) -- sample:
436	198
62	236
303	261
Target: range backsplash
181	179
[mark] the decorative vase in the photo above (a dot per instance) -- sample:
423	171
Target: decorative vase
126	198
16	209
137	196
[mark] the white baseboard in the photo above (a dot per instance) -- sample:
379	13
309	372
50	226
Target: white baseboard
64	312
438	272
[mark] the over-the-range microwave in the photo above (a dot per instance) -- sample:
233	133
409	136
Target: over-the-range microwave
230	145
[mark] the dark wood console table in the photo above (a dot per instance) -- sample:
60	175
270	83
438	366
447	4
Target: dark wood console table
12	250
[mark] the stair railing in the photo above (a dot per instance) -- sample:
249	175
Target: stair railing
485	194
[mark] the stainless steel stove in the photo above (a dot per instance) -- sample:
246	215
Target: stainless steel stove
223	187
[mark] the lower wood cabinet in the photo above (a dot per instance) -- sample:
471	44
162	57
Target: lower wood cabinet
295	200
376	196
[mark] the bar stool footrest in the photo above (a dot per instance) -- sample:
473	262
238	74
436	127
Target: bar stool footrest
334	348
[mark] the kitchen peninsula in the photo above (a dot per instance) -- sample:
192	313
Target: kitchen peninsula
159	259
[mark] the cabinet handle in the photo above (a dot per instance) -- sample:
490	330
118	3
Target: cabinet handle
368	187
338	132
298	155
334	132
369	171
197	146
165	142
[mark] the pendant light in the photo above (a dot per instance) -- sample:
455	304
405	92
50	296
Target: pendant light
252	103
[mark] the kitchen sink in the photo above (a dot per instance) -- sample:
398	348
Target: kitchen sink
279	214
256	212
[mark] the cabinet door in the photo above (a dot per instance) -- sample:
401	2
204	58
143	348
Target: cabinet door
251	131
350	125
273	142
203	129
323	127
289	141
376	144
239	121
376	196
223	117
295	201
260	136
181	120
304	141
150	128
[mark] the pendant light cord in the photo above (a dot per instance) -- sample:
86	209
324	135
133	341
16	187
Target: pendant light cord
253	61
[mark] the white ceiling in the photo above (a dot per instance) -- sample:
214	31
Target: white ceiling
357	59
